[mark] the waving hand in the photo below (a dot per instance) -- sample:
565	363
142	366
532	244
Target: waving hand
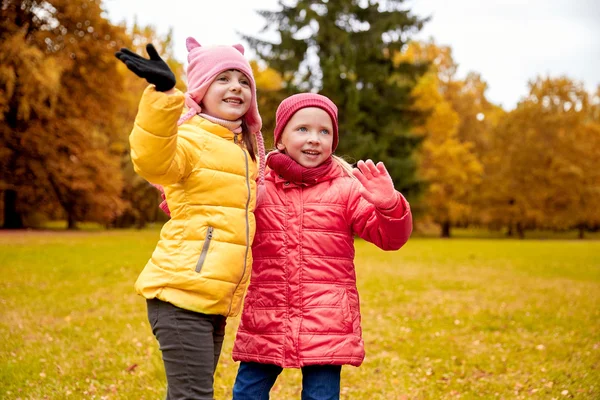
377	185
155	70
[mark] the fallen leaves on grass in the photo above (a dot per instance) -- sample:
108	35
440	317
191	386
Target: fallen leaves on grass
131	368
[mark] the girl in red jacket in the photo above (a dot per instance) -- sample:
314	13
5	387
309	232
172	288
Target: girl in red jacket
302	308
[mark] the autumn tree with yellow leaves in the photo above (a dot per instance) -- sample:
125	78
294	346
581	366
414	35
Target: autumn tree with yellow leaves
59	92
454	131
543	164
67	106
141	199
269	92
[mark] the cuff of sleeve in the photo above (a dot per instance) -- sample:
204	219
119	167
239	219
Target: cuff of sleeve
398	210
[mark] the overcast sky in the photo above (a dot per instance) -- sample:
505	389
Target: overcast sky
508	42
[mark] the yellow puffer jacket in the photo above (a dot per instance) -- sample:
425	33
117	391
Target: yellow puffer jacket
202	260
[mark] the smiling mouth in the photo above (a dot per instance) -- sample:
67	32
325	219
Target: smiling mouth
311	152
233	101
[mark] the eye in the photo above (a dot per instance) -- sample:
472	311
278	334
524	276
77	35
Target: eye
325	131
303	129
244	82
222	78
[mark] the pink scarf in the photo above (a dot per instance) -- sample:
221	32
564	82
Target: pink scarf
290	170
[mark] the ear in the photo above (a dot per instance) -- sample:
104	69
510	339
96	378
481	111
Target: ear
280	146
191	43
239	48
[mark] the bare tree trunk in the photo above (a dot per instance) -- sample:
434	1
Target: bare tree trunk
12	218
62	200
71	222
510	232
581	232
445	229
520	231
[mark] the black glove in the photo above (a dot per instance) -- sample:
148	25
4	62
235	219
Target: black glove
154	70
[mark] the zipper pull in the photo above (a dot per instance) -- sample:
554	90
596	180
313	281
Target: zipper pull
209	233
235	139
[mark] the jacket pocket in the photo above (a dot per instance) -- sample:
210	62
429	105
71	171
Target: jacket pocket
346	312
205	247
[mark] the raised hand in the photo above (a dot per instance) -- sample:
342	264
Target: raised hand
154	70
377	185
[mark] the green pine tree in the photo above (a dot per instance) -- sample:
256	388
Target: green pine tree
343	49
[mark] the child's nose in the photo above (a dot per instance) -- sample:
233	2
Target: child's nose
314	138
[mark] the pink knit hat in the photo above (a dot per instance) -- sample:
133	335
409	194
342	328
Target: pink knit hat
204	64
293	104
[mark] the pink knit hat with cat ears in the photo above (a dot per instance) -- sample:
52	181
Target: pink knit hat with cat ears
204	64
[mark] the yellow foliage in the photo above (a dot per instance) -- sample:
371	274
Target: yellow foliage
447	162
426	92
267	79
544	160
38	77
58	97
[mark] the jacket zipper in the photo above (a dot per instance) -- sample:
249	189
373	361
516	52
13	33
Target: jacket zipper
205	246
235	140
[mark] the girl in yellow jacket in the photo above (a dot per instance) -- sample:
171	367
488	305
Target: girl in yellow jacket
200	146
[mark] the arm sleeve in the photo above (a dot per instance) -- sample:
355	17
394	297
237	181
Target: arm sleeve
156	153
387	229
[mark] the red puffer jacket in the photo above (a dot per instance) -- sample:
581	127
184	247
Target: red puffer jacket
302	305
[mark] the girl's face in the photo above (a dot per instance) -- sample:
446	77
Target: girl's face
228	96
308	137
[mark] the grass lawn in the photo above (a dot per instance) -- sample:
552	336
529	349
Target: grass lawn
442	319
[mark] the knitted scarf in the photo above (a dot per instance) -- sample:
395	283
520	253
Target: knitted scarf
290	170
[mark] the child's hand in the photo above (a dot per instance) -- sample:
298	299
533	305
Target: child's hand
154	70
378	187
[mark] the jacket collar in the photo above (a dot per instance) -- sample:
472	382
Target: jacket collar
215	129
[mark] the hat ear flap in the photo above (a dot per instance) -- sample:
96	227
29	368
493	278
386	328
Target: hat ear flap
191	43
239	48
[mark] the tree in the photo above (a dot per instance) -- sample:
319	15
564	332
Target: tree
58	96
269	89
343	49
140	198
448	162
543	161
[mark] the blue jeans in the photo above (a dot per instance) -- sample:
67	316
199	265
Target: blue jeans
254	381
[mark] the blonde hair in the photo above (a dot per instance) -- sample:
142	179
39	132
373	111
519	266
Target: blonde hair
344	165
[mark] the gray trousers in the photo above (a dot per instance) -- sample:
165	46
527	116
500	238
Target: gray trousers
190	343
